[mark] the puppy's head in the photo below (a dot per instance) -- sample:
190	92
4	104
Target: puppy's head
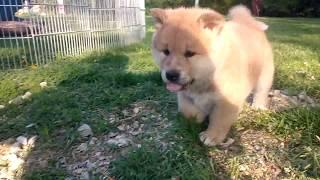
182	45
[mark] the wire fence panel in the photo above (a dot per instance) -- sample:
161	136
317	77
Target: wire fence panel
36	32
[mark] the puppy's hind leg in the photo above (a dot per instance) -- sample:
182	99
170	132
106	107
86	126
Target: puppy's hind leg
262	88
188	109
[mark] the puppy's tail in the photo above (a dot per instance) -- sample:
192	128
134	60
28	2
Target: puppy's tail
242	15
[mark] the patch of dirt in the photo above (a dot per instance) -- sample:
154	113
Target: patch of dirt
13	154
255	155
93	155
281	100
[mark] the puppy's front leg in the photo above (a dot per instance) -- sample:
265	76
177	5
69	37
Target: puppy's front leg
221	119
188	109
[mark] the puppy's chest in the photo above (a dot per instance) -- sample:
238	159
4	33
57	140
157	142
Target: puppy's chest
204	101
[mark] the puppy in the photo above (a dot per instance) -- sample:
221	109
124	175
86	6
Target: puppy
213	64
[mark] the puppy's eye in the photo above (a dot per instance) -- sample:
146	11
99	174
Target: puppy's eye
166	52
189	54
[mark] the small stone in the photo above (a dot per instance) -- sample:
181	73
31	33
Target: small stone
2	107
97	154
103	163
89	165
257	148
134	133
135	124
112	134
309	100
276	92
85	131
136	110
120	141
102	158
125	113
93	141
78	171
284	96
17	101
22	140
294	100
285	92
43	84
243	167
62	161
84	175
32	141
83	147
302	96
122	127
27	95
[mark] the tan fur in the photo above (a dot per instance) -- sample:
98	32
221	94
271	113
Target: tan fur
233	58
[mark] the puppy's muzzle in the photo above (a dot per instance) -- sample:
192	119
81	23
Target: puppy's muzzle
173	76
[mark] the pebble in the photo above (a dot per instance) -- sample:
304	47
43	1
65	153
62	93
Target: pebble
136	110
120	141
125	113
43	84
302	96
276	92
83	147
22	140
84	175
122	127
32	140
310	100
85	131
243	167
294	100
112	134
27	95
17	101
135	133
2	107
135	124
93	141
257	148
62	162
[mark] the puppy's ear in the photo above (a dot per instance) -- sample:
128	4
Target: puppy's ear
210	19
159	16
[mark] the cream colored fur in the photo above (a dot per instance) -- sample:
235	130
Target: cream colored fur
232	59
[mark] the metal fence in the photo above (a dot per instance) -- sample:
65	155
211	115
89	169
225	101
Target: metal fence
36	32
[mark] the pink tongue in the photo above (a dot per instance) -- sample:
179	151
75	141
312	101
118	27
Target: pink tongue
174	87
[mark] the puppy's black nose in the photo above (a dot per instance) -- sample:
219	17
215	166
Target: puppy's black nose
173	75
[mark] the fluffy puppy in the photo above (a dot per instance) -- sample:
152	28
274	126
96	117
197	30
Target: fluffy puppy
213	64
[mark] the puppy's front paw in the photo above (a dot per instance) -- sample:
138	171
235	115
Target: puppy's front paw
259	107
211	138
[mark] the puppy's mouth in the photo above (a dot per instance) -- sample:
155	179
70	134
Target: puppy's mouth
176	87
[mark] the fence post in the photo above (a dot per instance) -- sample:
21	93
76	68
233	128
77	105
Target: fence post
196	3
142	20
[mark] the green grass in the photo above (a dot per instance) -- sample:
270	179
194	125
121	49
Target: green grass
111	81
